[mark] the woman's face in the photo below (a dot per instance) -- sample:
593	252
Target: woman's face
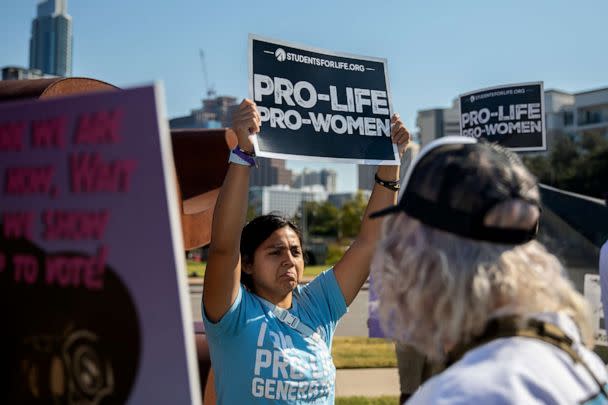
278	263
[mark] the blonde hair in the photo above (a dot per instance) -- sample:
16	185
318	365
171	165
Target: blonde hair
437	289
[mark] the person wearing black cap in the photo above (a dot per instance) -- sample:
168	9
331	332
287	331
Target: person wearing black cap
461	278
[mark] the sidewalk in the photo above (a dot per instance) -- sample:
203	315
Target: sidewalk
367	382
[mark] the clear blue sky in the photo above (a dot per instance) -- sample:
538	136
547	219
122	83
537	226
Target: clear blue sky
435	49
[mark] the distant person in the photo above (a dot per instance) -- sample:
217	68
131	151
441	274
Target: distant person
269	337
603	270
461	278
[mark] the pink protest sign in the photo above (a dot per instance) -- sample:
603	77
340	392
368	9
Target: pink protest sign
92	280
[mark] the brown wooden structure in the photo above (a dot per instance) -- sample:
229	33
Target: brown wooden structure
201	163
12	90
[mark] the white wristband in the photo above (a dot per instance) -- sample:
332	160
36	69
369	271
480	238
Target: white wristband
234	158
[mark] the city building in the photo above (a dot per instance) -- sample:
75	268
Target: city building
191	121
367	173
283	199
438	122
325	177
20	73
51	41
270	172
216	112
576	114
365	177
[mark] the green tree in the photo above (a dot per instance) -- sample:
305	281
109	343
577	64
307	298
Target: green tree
563	159
540	166
335	251
593	142
326	220
251	212
351	215
591	171
579	165
321	219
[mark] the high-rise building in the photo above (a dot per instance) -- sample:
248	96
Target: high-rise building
270	172
282	199
328	180
216	112
576	114
365	177
51	41
366	173
438	122
324	177
221	108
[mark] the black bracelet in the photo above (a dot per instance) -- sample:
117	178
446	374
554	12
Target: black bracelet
391	185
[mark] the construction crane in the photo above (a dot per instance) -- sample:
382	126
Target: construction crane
208	87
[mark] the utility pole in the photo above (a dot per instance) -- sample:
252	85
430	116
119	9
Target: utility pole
304	224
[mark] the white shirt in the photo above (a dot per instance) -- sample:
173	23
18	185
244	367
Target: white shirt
604	278
519	370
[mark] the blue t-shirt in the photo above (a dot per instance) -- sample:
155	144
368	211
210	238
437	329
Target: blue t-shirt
259	359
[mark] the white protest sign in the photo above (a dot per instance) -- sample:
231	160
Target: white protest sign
592	291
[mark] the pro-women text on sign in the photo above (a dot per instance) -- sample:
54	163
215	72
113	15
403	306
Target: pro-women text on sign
512	115
320	105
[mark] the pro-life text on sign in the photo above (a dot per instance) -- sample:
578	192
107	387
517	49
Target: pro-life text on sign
318	105
512	115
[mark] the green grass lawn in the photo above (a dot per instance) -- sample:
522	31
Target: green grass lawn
362	352
387	400
197	269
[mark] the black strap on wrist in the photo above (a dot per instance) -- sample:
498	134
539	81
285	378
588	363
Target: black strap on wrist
391	185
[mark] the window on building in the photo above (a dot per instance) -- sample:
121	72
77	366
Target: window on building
587	117
568	118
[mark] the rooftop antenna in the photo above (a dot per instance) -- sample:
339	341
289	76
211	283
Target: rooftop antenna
208	87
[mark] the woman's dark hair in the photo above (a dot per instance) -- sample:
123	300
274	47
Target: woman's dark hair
255	233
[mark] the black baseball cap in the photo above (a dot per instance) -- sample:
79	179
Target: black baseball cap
455	181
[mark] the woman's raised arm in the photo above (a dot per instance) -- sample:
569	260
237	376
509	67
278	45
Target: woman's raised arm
223	272
353	269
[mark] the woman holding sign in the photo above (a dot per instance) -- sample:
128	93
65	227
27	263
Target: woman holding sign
269	337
